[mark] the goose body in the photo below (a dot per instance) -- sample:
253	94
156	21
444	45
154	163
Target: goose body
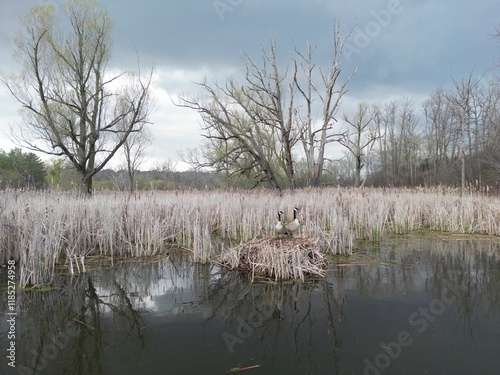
293	226
280	228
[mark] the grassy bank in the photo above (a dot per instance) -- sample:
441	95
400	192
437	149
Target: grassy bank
41	230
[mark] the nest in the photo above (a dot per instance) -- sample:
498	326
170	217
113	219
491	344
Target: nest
278	258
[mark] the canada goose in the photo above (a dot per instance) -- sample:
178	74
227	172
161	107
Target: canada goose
293	226
280	228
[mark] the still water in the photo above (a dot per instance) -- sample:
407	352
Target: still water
410	306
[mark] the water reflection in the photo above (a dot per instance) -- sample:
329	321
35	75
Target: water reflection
409	307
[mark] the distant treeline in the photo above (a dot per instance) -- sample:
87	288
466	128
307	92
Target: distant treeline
66	178
109	179
25	170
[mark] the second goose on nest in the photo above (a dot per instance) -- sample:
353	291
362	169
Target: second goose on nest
280	228
293	226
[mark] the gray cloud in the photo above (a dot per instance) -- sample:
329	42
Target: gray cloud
418	48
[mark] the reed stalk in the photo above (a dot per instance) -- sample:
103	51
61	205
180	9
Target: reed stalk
41	230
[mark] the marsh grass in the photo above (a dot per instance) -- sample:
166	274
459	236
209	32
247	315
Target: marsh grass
41	230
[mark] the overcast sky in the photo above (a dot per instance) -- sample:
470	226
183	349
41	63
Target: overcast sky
401	48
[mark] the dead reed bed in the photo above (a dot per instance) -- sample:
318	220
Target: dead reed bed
277	258
41	230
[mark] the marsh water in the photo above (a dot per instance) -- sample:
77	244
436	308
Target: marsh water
409	306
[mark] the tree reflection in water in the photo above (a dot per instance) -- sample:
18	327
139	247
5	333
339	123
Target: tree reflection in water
173	316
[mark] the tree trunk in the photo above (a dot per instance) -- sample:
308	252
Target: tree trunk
86	186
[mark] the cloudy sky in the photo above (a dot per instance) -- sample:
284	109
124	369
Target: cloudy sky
401	48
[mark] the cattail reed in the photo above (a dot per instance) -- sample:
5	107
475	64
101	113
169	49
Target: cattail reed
41	230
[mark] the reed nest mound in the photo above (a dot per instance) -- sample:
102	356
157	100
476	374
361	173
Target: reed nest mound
276	258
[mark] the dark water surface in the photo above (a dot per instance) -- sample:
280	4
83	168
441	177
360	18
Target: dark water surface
411	306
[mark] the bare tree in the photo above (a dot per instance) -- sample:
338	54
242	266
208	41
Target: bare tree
410	141
489	137
235	140
249	126
440	136
266	92
398	142
462	101
360	137
387	145
253	128
71	105
323	87
134	149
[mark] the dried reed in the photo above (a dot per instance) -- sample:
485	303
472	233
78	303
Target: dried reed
43	229
277	258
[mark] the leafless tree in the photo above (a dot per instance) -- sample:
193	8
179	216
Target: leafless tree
359	137
461	98
323	87
72	104
387	144
440	137
266	91
410	140
233	138
398	142
249	126
134	149
490	119
253	128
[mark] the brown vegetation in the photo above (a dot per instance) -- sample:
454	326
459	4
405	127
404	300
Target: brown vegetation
277	258
41	230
